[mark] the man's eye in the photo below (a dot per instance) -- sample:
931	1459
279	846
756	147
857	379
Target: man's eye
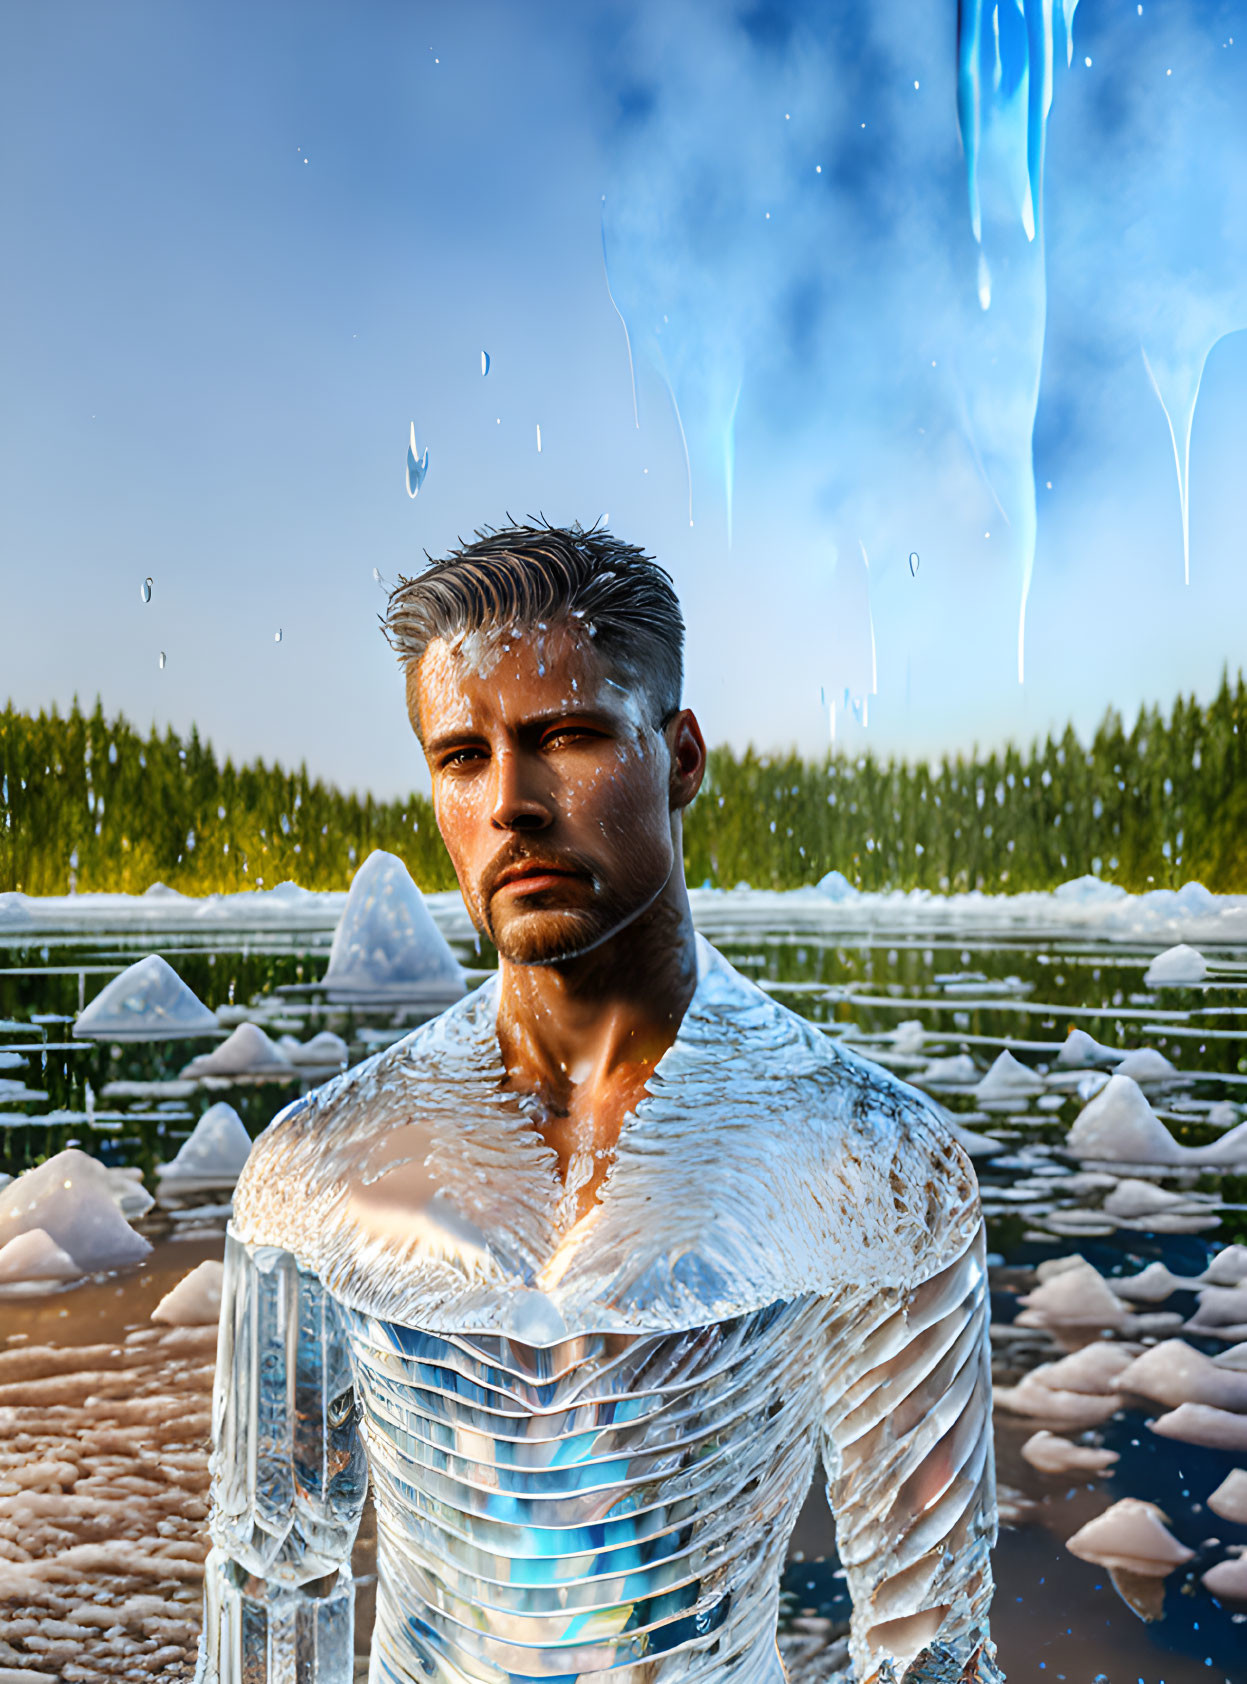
567	734
462	757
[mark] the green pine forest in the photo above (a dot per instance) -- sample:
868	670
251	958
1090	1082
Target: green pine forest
89	803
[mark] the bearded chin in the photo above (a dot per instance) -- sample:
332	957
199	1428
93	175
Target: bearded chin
548	939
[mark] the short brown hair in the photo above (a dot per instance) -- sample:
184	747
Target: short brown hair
535	575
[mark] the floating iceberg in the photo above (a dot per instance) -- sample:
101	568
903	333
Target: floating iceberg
1150	1286
212	1156
1148	1067
1229	1500
1176	967
1228	1267
836	886
1008	1079
325	1051
1052	1454
35	1257
1228	1579
958	1071
1132	1536
1120	1125
147	1002
74	1200
387	946
1175	1372
1080	1051
1201	1423
1077	1297
196	1299
247	1052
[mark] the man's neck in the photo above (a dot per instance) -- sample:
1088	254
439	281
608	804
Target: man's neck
602	1020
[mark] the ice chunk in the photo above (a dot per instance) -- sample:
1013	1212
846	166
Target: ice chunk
72	1198
958	1071
1176	967
35	1256
147	1002
247	1052
977	1145
1119	1123
1145	1065
836	886
1077	1410
1229	1500
1175	1372
1150	1286
196	1299
1088	891
1077	1297
1228	1267
325	1051
1093	1369
1131	1535
1228	1579
1132	1198
1220	1308
1200	1423
907	1036
1080	1050
1008	1079
214	1153
1052	1454
386	944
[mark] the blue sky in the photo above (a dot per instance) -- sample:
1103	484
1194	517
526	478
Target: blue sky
247	245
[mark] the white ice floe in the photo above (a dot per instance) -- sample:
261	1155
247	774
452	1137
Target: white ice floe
1180	966
147	1002
1148	1067
75	1201
1076	1410
1079	1051
35	1257
196	1299
387	945
977	1145
325	1051
1052	1454
213	1154
1201	1423
1141	1204
1093	1369
1008	1079
1119	1125
836	887
1174	1373
247	1052
1228	1579
1222	1313
1131	1535
907	1037
1229	1500
1151	1285
958	1071
1227	1268
1076	1297
15	1093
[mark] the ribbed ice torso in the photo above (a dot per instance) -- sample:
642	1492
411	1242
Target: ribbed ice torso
613	1504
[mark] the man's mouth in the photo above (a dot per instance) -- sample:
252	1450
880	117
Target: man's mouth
535	874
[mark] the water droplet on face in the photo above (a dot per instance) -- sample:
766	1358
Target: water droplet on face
161	662
417	465
145	590
484	363
913	563
277	635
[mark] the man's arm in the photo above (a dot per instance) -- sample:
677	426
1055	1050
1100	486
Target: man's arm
288	1480
907	1446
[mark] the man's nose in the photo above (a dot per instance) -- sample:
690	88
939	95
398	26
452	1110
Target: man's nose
519	800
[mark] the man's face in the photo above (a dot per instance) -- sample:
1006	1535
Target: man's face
553	787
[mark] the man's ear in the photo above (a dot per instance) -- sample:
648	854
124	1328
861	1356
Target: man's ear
688	757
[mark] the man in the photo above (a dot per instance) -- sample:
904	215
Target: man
584	1273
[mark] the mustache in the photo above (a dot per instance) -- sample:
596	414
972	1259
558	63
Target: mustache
515	859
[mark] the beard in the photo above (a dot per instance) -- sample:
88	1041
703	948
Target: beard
550	934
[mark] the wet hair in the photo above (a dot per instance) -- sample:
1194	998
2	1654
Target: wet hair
529	576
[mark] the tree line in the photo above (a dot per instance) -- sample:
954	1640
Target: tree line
89	803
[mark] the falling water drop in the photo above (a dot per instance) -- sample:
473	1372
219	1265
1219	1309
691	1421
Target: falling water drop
277	635
484	362
162	660
417	465
539	438
145	590
913	563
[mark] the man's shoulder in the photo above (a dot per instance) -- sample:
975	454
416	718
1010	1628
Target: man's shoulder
298	1147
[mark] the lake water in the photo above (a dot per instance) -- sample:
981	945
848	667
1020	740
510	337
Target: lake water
974	991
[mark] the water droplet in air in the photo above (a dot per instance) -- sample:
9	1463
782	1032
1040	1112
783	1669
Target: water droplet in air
161	662
539	438
913	563
145	590
484	362
277	635
417	465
